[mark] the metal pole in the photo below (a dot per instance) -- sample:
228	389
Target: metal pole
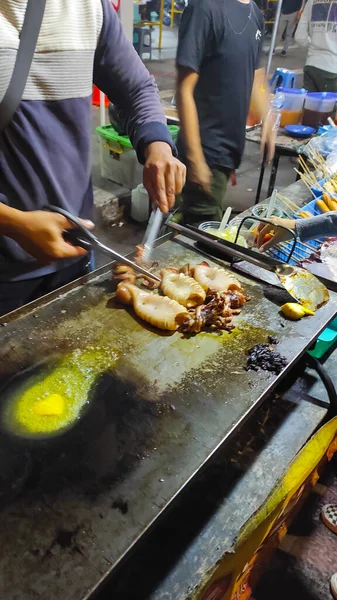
273	35
172	13
161	19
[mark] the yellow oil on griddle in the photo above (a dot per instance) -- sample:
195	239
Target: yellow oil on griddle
54	399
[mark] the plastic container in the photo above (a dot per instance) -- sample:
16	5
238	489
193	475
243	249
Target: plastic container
301	250
140	204
325	341
96	98
310	207
119	161
318	107
261	210
292	108
123	141
210	226
317	189
276	104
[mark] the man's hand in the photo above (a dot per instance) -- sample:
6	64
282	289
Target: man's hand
40	233
164	176
270	235
201	174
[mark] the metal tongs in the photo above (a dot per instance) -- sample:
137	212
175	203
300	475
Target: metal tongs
151	234
84	238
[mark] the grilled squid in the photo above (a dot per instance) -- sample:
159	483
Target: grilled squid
159	311
215	279
182	288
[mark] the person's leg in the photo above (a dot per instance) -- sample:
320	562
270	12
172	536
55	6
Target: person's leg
329	80
317	80
198	206
309	79
290	30
280	30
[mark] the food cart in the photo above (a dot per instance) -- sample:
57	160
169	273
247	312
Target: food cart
157	459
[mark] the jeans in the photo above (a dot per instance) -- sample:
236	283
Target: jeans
317	80
14	294
287	23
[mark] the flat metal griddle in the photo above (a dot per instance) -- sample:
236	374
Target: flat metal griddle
74	505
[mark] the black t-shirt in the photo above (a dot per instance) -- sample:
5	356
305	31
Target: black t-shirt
291	6
221	40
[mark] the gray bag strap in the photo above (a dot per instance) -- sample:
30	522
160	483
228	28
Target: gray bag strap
28	40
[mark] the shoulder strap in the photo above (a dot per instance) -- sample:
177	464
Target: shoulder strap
28	39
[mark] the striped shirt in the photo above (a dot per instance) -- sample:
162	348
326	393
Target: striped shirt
45	150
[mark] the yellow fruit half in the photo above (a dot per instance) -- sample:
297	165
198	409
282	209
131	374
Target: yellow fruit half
294	311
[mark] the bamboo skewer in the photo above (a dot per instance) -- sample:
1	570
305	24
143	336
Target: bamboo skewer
306	169
307	185
288	203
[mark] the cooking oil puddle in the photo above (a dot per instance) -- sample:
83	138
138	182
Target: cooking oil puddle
50	397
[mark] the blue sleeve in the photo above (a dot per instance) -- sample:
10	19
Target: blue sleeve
315	227
195	35
122	76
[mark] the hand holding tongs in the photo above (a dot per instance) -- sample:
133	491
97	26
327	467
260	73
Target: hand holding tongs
84	238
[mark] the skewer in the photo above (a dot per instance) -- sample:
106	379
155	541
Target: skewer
289	203
305	183
306	170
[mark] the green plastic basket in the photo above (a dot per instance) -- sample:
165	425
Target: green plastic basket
123	141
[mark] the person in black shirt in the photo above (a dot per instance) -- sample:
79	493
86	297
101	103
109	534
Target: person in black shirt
219	46
288	20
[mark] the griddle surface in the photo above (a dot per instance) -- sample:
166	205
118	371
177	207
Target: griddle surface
73	505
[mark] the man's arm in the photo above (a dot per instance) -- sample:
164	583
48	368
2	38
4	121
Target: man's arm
122	76
305	229
195	35
189	123
302	36
260	101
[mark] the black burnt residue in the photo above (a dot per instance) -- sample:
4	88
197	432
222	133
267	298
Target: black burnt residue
264	356
121	505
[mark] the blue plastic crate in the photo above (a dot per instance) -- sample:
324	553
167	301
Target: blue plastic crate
301	250
310	207
317	189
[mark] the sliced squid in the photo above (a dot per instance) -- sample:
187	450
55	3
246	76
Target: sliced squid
159	311
215	279
182	288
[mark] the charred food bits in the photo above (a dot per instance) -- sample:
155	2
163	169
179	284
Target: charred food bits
264	356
